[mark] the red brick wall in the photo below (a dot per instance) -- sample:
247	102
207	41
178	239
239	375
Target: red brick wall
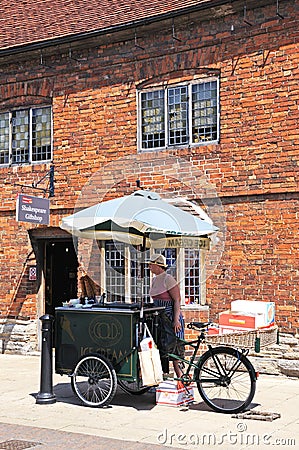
260	261
254	167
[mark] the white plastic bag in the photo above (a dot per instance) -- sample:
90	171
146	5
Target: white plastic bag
150	362
147	344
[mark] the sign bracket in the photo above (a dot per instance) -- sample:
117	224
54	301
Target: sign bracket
50	190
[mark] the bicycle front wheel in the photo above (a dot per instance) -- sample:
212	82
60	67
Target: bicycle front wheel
94	380
225	379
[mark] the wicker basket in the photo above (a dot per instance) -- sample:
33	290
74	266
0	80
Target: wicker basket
253	339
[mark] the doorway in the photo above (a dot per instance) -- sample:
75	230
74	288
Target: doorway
60	273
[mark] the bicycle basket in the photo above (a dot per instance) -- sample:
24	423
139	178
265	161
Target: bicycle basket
245	339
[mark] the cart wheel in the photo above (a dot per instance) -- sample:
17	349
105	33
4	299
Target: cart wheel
133	387
94	380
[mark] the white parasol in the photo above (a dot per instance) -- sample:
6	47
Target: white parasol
141	218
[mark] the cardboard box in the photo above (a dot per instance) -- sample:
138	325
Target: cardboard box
265	311
167	393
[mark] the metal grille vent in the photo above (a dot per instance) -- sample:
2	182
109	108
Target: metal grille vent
17	445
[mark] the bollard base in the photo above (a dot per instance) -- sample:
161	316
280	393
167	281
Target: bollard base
45	398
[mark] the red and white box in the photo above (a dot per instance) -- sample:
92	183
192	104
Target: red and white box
239	320
168	393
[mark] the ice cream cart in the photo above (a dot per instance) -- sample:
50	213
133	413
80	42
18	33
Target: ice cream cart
97	345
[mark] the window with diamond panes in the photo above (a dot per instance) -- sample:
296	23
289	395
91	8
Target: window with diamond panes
4	138
26	135
41	134
20	136
180	115
153	119
205	112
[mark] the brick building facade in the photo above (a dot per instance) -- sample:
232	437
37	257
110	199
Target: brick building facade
90	76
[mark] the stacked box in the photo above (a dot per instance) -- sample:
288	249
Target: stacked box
168	393
247	315
264	311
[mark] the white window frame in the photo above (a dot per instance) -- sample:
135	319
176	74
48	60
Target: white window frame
180	274
190	141
29	160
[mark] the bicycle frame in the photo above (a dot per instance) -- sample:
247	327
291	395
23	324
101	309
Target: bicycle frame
195	344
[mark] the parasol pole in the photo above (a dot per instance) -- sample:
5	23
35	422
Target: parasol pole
142	271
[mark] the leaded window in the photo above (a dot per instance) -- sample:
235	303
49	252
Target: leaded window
204	112
153	119
26	135
41	134
4	138
179	115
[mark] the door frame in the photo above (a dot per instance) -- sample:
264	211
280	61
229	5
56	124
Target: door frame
39	237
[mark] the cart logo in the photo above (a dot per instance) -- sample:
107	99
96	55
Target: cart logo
106	330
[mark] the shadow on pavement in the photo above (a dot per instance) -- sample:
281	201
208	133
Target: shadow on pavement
145	402
202	406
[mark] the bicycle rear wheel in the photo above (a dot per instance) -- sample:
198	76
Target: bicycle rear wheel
225	379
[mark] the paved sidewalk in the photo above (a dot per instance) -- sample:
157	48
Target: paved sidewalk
135	422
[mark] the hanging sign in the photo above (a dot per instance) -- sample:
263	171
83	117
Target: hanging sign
33	209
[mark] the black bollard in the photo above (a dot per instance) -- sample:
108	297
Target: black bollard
46	396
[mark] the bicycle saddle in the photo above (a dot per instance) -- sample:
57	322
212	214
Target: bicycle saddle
198	325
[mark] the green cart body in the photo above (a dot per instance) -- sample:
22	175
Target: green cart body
110	332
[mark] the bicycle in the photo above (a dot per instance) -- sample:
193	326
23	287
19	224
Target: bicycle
225	378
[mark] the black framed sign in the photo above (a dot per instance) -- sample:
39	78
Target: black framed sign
33	209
